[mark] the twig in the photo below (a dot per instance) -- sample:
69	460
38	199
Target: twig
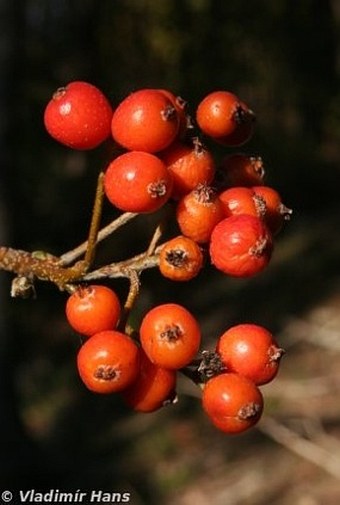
155	239
46	267
41	265
95	223
307	449
137	263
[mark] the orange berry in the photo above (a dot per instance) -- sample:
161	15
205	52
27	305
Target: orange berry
180	259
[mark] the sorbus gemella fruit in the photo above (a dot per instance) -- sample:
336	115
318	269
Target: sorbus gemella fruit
78	116
146	120
241	246
170	335
239	169
276	212
159	159
180	259
220	113
91	309
108	362
198	212
232	402
153	387
137	181
242	200
251	351
190	165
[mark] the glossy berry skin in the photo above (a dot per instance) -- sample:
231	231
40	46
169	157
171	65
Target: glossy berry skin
153	387
91	309
276	212
242	200
250	350
239	169
137	182
189	165
108	362
241	246
180	259
198	212
79	116
220	113
233	403
170	336
146	120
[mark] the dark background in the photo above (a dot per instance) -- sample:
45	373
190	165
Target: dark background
283	58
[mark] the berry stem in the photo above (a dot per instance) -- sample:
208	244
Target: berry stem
193	375
130	299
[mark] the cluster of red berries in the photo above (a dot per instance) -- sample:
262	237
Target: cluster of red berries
221	209
144	370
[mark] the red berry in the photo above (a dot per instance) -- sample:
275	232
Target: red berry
108	362
250	350
146	120
198	212
78	116
220	113
242	200
170	336
241	246
189	165
180	259
153	387
232	402
239	169
93	308
137	182
276	212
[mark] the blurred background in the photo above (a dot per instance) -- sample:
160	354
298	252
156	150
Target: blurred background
283	58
